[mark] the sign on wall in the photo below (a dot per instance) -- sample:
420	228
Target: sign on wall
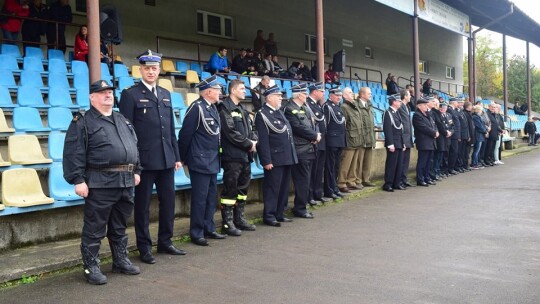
405	6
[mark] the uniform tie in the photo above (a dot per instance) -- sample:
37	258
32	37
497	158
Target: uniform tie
154	91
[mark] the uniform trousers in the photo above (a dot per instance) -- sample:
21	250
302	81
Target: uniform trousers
164	180
276	185
301	175
393	167
363	168
467	155
106	211
453	153
405	165
461	163
203	203
236	178
438	157
331	171
317	175
347	167
422	165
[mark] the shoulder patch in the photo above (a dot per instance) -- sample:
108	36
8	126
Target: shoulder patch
76	116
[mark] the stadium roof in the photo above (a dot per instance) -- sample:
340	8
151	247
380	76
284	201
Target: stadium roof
482	12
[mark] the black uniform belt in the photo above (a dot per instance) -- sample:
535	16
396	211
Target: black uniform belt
113	168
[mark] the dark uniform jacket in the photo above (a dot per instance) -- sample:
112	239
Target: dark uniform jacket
257	99
470	123
456	122
424	131
303	128
405	114
464	126
275	145
530	128
199	138
154	123
442	120
95	142
495	128
236	132
393	129
335	125
320	120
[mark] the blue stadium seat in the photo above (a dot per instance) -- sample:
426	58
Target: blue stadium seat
60	97
195	66
79	67
205	75
182	67
181	181
11	50
125	82
32	79
59	119
81	81
34	52
56	145
59	189
223	81
5	98
8	62
33	64
177	124
56	54
177	101
247	83
105	73
182	114
7	80
120	70
83	99
59	80
57	66
26	119
28	96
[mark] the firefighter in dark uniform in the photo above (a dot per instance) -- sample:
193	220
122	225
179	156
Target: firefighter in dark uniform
445	128
148	106
315	102
306	137
335	142
425	133
101	160
453	151
393	141
199	143
277	155
238	144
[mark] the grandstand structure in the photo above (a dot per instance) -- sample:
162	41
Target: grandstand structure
40	89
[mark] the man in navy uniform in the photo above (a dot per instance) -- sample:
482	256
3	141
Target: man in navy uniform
425	133
315	102
306	137
238	145
148	106
335	142
405	113
199	142
393	141
101	160
453	149
277	155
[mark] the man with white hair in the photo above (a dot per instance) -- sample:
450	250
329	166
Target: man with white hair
349	156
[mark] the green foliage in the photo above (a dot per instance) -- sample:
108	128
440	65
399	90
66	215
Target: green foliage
29	280
488	68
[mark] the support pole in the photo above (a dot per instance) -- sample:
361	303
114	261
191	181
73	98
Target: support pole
470	64
94	57
416	52
505	78
320	39
474	68
529	97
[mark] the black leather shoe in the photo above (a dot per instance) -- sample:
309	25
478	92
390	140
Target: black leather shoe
407	184
388	189
452	172
431	182
306	215
285	220
313	203
147	257
399	188
272	223
423	184
325	199
171	250
214	235
340	194
199	241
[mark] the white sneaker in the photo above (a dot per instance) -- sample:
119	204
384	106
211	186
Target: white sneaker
501	163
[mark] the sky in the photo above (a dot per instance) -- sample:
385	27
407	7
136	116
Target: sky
515	46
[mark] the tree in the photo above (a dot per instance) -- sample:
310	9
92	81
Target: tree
488	67
517	82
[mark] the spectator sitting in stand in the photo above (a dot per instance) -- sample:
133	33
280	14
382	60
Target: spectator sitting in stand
269	66
314	72
260	67
305	72
257	97
218	62
330	76
240	62
12	26
412	102
388	79
277	67
80	51
104	53
251	63
524	108
426	87
294	71
392	86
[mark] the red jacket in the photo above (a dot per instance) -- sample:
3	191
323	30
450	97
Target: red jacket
81	49
13	7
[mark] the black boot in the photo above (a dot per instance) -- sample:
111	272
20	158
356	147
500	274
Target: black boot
121	262
239	219
228	224
90	257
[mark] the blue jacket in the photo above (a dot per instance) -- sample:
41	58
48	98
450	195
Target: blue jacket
217	62
480	127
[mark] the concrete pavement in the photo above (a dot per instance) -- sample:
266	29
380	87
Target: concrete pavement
473	238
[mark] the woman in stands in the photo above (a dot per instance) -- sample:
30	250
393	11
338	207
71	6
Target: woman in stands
81	44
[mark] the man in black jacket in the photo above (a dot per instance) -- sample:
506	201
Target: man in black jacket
530	129
425	133
493	135
393	141
405	114
446	130
453	149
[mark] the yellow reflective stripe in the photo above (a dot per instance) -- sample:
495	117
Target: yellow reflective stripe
242	197
228	202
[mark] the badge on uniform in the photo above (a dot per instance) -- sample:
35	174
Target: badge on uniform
144	100
236	114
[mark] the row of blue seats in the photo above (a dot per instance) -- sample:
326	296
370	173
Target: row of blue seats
13	50
30	96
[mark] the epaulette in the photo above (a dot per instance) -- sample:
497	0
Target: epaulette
131	86
77	116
